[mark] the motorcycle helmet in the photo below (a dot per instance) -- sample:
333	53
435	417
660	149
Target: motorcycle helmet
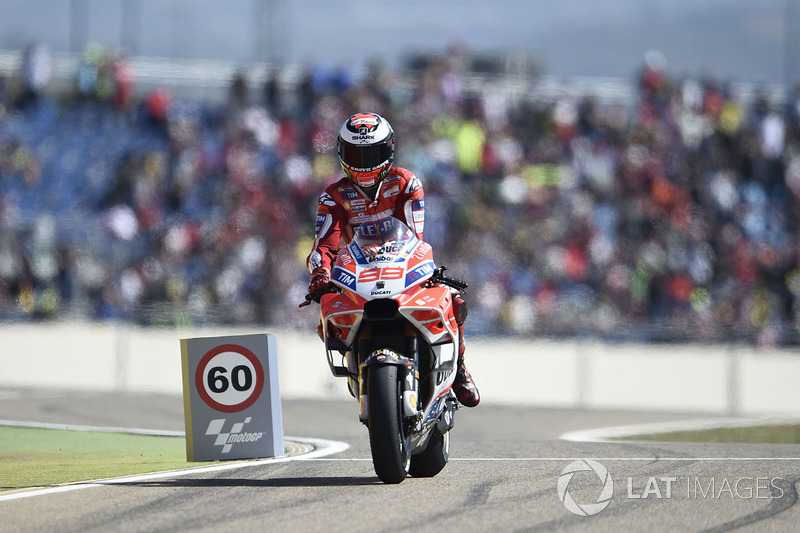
366	148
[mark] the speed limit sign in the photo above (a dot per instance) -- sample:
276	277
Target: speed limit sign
229	378
231	397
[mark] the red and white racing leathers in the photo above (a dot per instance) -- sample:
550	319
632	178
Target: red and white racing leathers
343	206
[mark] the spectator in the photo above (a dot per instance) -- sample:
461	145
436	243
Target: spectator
674	218
36	72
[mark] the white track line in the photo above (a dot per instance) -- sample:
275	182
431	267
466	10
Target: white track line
648	459
556	459
607	434
100	429
322	448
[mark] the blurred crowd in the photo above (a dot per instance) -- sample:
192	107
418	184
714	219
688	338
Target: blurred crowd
673	217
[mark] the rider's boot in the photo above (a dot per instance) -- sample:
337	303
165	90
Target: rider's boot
464	386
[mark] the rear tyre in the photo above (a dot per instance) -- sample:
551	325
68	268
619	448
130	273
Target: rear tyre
430	462
387	436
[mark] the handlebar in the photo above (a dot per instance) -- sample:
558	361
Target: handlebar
439	277
309	298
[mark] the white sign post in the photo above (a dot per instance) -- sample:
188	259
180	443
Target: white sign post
231	397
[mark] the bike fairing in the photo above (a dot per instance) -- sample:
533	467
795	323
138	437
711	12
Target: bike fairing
396	264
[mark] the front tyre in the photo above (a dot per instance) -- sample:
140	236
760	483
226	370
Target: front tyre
387	435
430	461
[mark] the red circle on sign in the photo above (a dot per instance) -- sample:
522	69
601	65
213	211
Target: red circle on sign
201	372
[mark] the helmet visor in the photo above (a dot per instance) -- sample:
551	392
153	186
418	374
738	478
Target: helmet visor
364	158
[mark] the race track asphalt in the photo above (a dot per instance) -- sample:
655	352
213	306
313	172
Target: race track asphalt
504	474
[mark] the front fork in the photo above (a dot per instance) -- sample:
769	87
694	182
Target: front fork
409	378
410	387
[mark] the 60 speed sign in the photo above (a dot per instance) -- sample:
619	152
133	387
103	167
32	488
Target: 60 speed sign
229	378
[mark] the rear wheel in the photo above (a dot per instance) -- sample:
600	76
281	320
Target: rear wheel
430	461
388	438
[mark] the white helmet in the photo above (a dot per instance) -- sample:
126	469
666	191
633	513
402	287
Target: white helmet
366	148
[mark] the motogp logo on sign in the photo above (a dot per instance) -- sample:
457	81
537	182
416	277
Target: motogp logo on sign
235	435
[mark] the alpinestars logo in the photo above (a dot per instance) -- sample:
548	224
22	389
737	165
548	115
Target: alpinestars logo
326	199
413	185
235	435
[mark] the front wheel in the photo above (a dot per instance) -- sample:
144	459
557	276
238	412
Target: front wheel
388	438
434	457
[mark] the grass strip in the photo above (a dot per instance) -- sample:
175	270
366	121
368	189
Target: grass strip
41	457
766	434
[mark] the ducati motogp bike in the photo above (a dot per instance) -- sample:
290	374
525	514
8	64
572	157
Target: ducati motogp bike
389	328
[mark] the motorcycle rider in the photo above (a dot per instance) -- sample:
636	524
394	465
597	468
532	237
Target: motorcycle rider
372	189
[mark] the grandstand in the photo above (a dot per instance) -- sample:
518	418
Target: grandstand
646	209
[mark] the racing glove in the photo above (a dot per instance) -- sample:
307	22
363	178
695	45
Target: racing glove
319	282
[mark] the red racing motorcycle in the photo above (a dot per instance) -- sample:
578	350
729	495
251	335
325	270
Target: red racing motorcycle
389	327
